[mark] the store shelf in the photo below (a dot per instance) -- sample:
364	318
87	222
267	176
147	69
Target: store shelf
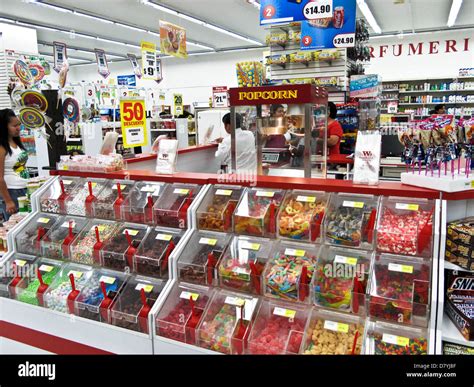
452	266
389	99
390	90
452	335
162	130
436	91
436	103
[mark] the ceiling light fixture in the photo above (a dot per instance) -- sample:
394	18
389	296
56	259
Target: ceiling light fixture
92	17
453	14
255	3
364	8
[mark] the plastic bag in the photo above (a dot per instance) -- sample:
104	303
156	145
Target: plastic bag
167	157
156	143
367	157
108	146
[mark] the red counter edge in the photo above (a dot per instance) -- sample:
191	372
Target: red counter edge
152	156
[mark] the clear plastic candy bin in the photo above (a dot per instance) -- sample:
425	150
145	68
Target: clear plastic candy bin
243	262
182	312
198	261
119	250
301	215
152	257
350	220
82	198
333	333
53	200
257	211
278	328
56	243
405	226
217	208
12	271
400	289
171	210
225	326
138	205
28	240
134	303
110	201
341	279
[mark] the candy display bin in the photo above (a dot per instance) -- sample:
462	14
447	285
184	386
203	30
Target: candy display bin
171	210
98	295
56	243
217	208
242	264
341	279
88	244
350	220
333	333
31	289
278	328
301	215
66	287
198	261
81	200
119	250
153	255
288	273
28	239
392	339
53	200
110	201
257	211
134	303
400	289
405	226
14	268
226	324
182	312
138	205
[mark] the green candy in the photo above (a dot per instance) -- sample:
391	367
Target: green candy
28	295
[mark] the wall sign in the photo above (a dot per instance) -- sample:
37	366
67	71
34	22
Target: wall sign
364	86
220	96
126	80
133	120
149	60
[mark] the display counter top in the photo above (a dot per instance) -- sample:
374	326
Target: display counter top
152	156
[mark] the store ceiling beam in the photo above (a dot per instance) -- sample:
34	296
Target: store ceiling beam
453	13
364	8
83	50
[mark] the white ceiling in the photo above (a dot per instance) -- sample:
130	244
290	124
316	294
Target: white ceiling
235	15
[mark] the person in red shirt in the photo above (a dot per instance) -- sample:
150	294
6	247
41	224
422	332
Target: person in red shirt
335	131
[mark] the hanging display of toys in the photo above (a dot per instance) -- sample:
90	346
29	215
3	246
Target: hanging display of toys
71	110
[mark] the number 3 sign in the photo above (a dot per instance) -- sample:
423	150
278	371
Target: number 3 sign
132	118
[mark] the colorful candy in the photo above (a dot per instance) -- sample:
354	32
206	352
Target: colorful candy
215	213
82	250
416	346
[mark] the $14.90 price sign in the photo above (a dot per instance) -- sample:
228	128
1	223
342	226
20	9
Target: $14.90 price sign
318	9
133	120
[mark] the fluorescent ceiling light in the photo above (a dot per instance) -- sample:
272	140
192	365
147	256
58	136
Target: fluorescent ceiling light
364	8
453	14
93	17
254	3
56	8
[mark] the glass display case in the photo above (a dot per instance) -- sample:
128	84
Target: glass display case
119	250
242	264
171	209
138	205
301	215
333	333
278	328
257	211
134	303
57	241
110	201
81	200
198	261
225	326
217	208
152	256
405	226
341	278
182	312
369	114
350	220
400	289
28	239
12	271
53	200
289	272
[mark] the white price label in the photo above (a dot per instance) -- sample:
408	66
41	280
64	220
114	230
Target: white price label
234	301
241	270
284	312
295	253
224	192
131	232
207	241
66	224
149	188
395	340
135	136
107	280
76	274
266	194
345	260
122	187
407	206
400	268
188	295
348	203
181	191
164	237
250	246
344	40
20	262
306	199
67	182
335	326
318	9
43	220
146	288
46	268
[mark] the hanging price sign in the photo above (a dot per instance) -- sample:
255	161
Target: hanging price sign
178	104
318	9
149	60
132	117
220	96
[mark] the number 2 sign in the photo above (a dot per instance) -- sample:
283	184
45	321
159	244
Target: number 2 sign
132	117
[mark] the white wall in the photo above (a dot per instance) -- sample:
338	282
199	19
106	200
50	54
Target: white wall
19	39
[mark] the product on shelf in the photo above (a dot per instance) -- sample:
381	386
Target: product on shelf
56	243
390	339
332	333
134	303
198	261
88	244
278	328
226	322
400	289
98	163
98	295
301	215
301	57
119	250
138	205
341	277
153	255
350	220
289	272
217	208
294	35
80	201
326	55
109	202
12	271
460	243
277	60
405	226
277	38
257	211
250	74
28	239
456	349
171	210
182	312
242	264
6	227
459	305
53	200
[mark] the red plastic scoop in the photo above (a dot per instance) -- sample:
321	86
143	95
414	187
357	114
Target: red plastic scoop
40	234
304	283
354	344
131	251
239	338
369	229
71	298
62	198
90	200
192	322
255	277
169	250
272	223
183	211
68	240
105	304
143	315
97	246
118	203
149	209
41	289
316	226
211	263
14	282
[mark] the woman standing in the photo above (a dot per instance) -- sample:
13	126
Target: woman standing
13	158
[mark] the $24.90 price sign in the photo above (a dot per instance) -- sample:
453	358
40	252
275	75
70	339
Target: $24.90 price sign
318	9
133	120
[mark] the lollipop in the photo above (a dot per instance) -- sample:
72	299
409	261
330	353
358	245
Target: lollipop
31	117
37	71
34	99
23	73
71	110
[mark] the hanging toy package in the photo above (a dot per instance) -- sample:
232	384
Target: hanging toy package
367	157
167	157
